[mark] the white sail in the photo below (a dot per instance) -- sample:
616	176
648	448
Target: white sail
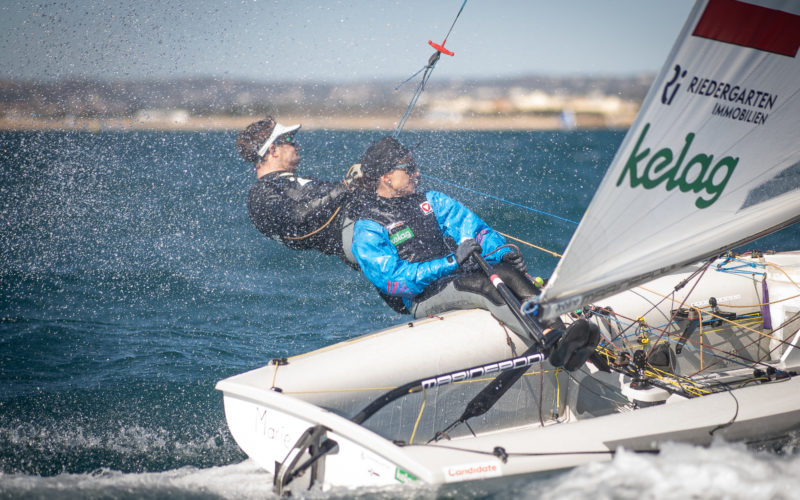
711	162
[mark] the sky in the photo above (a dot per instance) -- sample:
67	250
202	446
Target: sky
333	40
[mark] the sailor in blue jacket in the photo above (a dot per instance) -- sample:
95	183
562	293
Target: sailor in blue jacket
416	247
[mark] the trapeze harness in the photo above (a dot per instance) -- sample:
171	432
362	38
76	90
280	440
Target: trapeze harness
302	214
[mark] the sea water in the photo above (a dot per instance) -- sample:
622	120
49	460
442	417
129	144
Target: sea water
132	281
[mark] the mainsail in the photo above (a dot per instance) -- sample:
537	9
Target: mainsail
712	161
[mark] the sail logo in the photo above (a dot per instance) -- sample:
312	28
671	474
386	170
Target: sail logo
699	174
735	100
669	91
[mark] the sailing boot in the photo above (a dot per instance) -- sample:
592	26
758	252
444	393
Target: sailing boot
576	345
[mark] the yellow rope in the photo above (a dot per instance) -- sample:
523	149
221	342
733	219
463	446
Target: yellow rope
700	313
356	340
700	337
683	383
364	389
530	245
740	325
274	375
320	228
419	417
345	389
744	306
779	268
676	380
558	392
743	324
763	304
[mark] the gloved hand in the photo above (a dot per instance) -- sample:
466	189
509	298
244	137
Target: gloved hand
465	249
516	260
353	175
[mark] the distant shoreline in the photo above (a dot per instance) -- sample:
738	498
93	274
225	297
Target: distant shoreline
382	123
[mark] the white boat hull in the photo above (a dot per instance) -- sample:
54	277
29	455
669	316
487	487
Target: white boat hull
269	408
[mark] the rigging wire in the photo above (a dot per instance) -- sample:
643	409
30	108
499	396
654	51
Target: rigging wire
428	70
542	212
612	452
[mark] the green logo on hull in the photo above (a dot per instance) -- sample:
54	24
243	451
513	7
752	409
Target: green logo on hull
404	477
697	175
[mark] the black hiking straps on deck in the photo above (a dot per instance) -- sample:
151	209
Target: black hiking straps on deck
531	356
490	394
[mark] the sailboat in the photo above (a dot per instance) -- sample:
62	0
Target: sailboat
697	343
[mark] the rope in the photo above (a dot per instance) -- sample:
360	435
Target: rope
320	228
417	93
274	375
730	306
530	244
537	454
541	212
419	417
716	352
428	68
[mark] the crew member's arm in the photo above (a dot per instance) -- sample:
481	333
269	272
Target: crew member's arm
382	265
460	223
317	196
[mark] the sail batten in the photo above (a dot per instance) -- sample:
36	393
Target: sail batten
711	162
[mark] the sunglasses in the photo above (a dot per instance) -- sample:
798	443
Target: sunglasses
409	167
285	139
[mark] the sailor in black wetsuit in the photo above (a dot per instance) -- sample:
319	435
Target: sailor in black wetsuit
301	213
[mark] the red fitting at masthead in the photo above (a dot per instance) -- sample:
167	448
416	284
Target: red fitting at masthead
441	48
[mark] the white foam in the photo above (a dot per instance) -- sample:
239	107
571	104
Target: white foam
721	471
680	471
242	480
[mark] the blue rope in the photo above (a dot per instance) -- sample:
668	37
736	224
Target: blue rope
418	92
501	199
737	269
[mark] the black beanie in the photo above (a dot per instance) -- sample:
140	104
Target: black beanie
381	156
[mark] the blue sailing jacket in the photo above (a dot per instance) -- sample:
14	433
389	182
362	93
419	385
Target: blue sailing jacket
379	259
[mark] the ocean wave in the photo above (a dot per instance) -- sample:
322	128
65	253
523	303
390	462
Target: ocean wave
235	481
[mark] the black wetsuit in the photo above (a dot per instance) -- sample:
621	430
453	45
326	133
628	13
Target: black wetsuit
289	209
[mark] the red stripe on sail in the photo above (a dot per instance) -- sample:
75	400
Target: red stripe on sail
750	25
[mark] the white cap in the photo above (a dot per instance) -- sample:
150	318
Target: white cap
278	131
